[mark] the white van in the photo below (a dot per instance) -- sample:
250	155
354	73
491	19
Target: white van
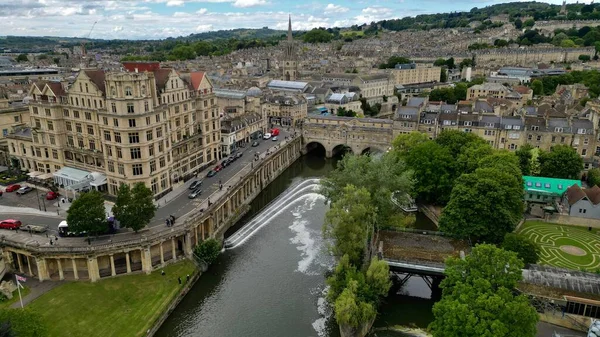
267	136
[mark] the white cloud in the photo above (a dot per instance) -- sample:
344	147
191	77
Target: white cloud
249	3
118	28
172	3
204	28
202	11
331	8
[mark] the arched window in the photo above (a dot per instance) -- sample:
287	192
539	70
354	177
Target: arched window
128	91
113	91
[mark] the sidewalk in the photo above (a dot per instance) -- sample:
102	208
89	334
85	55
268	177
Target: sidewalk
37	289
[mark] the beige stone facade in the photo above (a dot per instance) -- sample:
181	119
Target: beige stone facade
11	117
153	127
284	110
419	74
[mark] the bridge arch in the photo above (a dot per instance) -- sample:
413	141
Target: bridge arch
341	149
373	150
316	146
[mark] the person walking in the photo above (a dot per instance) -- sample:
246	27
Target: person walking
179	279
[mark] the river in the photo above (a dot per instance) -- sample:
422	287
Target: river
273	282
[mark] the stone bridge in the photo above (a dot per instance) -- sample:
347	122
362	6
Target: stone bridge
152	248
335	134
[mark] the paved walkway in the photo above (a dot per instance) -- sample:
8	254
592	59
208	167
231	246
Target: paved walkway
37	289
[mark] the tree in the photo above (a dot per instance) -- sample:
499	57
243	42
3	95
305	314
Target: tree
23	322
484	206
439	62
443	76
525	157
526	249
529	23
56	60
500	43
134	208
567	43
87	214
593	177
538	87
22	58
478	297
208	251
432	165
392	61
562	161
347	222
518	24
584	58
450	63
406	142
317	35
6	330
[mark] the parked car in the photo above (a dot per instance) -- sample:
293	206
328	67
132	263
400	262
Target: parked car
10	224
225	162
195	184
211	173
230	160
218	168
239	155
254	144
275	132
274	139
195	193
24	190
12	188
267	136
51	195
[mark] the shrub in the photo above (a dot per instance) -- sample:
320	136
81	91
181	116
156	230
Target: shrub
208	250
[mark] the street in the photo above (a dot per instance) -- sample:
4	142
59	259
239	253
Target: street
178	205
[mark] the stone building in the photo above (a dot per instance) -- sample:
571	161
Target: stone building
412	73
12	116
290	57
155	127
284	110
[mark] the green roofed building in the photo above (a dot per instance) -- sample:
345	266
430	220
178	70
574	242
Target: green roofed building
546	190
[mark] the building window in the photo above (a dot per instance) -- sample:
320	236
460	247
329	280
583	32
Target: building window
117	137
90	130
111	166
80	142
48	113
76	114
128	91
535	128
55	154
113	92
583	152
52	140
66	112
146	106
107	136
162	162
119	153
38	124
88	115
105	120
151	150
539	138
157	118
135	153
149	135
143	90
50	126
121	168
158	132
115	122
78	127
152	166
92	144
136	169
35	110
160	147
147	120
130	109
108	150
176	109
113	107
154	185
70	141
134	138
132	123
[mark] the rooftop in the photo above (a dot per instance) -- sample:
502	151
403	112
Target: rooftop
548	186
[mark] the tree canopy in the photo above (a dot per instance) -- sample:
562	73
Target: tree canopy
22	323
562	161
134	208
393	60
87	214
317	35
526	249
478	297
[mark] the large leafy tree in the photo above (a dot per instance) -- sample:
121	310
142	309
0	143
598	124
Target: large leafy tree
484	205
526	249
87	214
380	176
433	168
349	223
525	159
593	177
22	323
562	161
478	297
134	208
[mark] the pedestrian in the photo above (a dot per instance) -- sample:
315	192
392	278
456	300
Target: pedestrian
187	278
220	187
51	243
590	228
167	221
179	279
162	272
55	238
46	234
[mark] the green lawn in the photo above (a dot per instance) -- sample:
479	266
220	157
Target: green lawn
121	306
550	237
7	303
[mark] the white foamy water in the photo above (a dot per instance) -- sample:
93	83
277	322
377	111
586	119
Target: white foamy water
325	311
305	239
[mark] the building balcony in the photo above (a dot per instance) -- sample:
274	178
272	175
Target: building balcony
75	149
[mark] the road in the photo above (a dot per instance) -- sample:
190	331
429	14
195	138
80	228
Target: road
177	206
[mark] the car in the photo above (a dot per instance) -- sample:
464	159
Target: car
24	190
12	188
195	184
218	168
211	173
275	132
239	155
10	224
267	136
51	195
230	160
254	144
275	138
195	193
225	162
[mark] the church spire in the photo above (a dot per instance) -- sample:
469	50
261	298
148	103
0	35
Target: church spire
289	35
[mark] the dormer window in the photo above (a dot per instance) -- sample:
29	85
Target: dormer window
557	129
581	131
128	91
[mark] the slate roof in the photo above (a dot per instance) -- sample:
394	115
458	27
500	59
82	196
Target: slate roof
97	77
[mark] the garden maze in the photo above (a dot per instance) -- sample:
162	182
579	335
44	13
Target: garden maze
565	246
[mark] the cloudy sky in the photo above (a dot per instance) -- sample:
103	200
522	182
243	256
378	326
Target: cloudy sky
154	19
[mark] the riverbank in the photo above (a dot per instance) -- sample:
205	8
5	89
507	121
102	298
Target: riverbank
131	305
400	331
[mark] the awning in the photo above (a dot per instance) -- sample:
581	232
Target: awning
99	179
72	174
44	176
34	174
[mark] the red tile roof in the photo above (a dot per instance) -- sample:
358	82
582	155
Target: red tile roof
56	88
97	77
196	78
593	194
522	89
574	194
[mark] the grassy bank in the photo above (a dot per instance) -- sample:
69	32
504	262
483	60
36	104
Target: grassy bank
121	306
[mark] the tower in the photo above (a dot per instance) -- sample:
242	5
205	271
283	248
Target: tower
563	8
290	58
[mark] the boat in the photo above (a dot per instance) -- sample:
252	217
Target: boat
406	203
